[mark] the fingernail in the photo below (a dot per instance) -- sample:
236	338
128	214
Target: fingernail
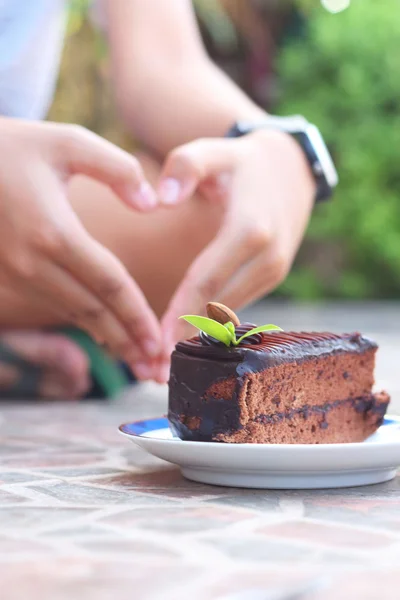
142	370
169	190
145	196
151	347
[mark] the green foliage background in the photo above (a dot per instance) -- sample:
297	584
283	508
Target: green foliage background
345	76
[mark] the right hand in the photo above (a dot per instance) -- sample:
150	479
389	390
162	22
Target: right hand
46	253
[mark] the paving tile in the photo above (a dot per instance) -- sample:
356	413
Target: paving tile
335	536
253	548
137	458
82	472
7	477
86	531
265	584
10	498
369	512
261	501
75	493
370	585
140	548
22	546
22	519
11	450
82	494
153	480
165	482
178	519
93	579
57	459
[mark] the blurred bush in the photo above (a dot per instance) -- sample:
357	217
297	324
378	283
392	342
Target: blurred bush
345	76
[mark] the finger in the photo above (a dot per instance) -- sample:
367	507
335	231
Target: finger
187	166
83	152
143	370
104	275
208	275
157	370
160	370
259	277
77	305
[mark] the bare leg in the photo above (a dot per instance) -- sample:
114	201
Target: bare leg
63	365
156	248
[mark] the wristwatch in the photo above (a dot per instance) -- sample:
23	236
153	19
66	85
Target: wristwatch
310	140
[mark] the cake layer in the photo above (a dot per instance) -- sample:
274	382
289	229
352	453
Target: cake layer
351	420
284	387
344	421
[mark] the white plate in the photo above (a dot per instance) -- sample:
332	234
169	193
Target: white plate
275	466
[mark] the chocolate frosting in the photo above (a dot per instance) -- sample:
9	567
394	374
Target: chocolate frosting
198	363
274	347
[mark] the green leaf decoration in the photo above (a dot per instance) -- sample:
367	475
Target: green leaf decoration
258	330
211	327
224	333
231	328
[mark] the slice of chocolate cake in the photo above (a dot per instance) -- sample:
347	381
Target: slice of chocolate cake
275	387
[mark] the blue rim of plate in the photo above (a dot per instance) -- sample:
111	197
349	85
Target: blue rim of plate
139	428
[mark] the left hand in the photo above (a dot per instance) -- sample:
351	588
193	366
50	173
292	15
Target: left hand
268	195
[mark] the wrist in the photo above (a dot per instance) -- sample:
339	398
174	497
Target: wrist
284	145
310	141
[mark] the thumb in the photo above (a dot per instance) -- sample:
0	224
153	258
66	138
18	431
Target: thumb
189	165
86	153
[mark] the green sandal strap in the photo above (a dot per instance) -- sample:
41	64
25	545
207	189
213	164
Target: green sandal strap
108	374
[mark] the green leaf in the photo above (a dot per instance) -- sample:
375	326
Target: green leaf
258	330
211	327
231	328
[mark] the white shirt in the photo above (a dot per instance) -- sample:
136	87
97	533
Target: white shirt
31	41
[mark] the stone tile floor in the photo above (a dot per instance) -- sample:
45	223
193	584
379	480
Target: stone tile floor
86	515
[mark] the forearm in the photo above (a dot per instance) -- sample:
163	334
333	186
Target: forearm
191	103
168	91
